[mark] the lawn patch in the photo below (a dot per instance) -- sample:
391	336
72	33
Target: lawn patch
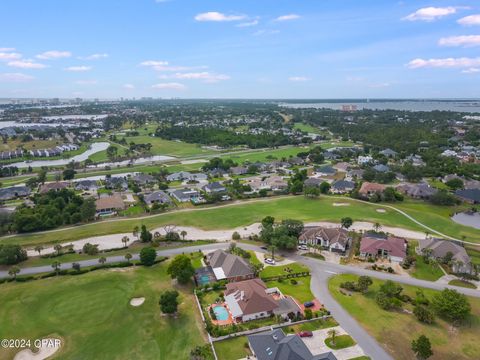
341	342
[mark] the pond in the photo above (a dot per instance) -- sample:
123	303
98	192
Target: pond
467	219
94	148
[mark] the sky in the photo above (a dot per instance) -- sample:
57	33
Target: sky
240	48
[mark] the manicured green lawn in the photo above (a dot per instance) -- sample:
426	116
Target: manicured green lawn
300	291
341	342
425	271
253	258
230	216
232	349
462	283
311	325
196	258
395	330
306	127
92	315
280	270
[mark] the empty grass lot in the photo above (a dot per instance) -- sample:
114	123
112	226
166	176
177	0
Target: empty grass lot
395	330
92	315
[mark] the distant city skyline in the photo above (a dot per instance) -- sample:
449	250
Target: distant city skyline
266	49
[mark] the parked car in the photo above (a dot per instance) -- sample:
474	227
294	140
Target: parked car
302	247
305	334
269	261
309	304
264	248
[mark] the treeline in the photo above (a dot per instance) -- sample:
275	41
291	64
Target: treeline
54	209
220	137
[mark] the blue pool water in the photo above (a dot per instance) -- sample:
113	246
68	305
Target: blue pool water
220	312
204	279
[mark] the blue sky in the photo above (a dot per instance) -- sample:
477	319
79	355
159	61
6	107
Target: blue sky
240	48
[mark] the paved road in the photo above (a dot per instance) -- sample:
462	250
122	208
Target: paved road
321	271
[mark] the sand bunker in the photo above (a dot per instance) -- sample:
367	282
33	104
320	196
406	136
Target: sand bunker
341	204
137	301
381	211
46	348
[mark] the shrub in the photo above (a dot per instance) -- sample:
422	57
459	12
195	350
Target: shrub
148	256
293	282
308	314
236	236
423	314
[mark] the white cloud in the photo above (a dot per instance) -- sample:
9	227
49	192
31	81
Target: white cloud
463	62
169	86
15	77
248	24
463	40
5	55
430	13
218	17
129	86
470	20
205	76
288	17
86	82
164	66
471	71
54	54
298	78
81	68
7	49
94	57
265	32
379	85
26	64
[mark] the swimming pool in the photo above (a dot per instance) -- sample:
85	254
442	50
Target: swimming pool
220	312
204	279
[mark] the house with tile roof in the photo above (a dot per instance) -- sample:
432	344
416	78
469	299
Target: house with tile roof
229	267
373	245
332	239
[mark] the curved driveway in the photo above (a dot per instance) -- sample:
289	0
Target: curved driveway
321	271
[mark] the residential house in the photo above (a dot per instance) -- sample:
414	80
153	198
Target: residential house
416	160
342	166
249	300
312	182
238	170
381	168
439	248
354	174
109	204
275	345
417	191
54	186
117	183
363	160
229	267
471	196
326	170
369	188
332	239
383	246
342	186
157	197
86	185
144	179
388	153
187	176
296	161
14	192
214	188
274	183
185	195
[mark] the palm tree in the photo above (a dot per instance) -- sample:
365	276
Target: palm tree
13	271
125	240
102	260
39	249
332	333
272	248
183	233
377	227
56	266
58	248
128	257
135	232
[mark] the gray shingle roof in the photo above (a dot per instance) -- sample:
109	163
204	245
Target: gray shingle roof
232	265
